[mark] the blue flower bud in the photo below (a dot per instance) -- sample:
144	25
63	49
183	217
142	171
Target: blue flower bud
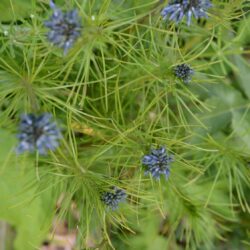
157	163
113	198
183	72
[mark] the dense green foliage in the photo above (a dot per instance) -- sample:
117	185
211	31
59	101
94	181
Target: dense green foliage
115	95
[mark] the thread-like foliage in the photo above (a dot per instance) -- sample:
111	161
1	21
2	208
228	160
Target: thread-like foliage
113	75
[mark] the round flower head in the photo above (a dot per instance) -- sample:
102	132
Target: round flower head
65	28
176	10
37	133
157	162
113	198
183	72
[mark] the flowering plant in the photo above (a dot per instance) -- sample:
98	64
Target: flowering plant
129	120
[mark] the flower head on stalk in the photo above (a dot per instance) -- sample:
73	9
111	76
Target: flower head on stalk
157	162
176	10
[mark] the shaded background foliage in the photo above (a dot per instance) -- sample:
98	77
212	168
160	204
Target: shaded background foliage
115	95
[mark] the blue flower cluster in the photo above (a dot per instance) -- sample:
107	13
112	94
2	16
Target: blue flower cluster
183	72
65	28
157	162
113	198
176	10
38	133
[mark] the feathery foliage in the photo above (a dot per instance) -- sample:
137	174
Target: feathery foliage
112	87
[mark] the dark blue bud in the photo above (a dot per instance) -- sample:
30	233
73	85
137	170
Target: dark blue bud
113	198
184	72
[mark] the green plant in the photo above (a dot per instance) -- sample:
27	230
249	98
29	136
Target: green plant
115	96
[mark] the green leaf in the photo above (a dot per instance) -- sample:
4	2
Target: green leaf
241	126
19	206
217	119
243	74
244	31
149	238
223	100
